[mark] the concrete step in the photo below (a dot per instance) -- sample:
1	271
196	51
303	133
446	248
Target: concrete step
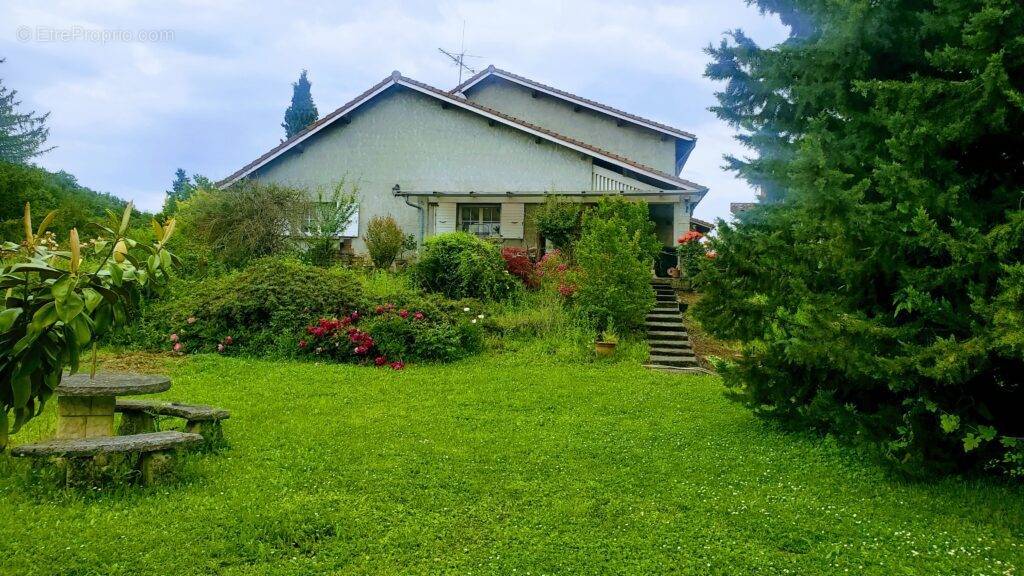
665	325
674	360
670	343
666	334
676	352
664	315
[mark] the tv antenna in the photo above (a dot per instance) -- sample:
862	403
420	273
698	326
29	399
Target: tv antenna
459	58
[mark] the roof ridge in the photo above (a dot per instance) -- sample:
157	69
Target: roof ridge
491	69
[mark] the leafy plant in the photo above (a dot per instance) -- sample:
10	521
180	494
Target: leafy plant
613	276
385	241
246	221
692	253
262	307
518	264
327	220
56	304
559	221
460	265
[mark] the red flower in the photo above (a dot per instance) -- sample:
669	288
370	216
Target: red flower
689	236
418	316
361	350
302	343
379	310
380	360
711	254
566	289
397	365
229	340
403	313
354	316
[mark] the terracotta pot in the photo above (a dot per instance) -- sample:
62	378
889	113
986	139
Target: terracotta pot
604	348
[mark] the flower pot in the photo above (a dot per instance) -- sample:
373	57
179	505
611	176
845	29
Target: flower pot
604	348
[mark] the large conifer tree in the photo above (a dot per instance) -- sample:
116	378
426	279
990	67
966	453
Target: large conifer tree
882	294
22	134
302	111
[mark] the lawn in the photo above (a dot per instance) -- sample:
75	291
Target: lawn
503	464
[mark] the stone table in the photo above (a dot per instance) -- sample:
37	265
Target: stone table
85	406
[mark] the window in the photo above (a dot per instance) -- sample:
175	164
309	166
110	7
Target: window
480	219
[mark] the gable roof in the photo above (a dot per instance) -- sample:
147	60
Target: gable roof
396	79
577	100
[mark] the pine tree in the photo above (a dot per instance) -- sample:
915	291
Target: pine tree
302	111
22	135
882	295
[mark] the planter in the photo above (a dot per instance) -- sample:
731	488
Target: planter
604	348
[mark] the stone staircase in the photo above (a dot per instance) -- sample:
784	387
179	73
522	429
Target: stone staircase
666	335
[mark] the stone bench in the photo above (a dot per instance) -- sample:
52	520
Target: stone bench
139	416
154	450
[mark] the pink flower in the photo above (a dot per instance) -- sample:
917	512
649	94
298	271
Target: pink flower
302	344
220	347
191	320
397	365
174	337
229	340
361	350
403	313
418	316
354	316
380	360
178	347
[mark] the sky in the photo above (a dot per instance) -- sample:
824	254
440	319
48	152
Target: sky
136	90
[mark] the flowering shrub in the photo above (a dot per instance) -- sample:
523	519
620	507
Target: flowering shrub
692	253
258	310
518	264
553	273
391	336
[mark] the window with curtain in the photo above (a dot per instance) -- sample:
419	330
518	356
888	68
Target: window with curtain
480	219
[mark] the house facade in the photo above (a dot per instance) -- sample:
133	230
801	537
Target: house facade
482	157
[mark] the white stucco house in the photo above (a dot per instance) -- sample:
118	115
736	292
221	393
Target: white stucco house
481	156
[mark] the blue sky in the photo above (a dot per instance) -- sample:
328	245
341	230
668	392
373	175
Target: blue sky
138	89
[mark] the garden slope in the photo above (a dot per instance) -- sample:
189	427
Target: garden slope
501	465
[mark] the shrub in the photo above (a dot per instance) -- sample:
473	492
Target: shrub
244	221
460	265
385	240
328	218
559	221
518	264
261	307
635	219
613	277
692	253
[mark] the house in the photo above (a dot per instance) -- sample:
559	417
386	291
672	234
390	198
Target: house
482	156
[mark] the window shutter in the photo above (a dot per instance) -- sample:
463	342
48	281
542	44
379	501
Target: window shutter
512	215
352	228
444	217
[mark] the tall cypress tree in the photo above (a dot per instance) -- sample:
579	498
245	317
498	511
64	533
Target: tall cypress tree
181	189
22	135
882	295
302	111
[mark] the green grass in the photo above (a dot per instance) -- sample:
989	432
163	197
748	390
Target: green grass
503	464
